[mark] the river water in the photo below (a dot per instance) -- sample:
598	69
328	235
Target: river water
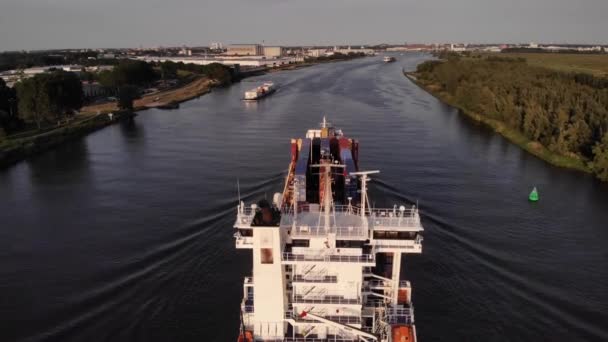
125	235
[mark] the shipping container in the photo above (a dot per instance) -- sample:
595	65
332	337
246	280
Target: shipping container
302	170
322	180
345	143
334	147
351	185
316	150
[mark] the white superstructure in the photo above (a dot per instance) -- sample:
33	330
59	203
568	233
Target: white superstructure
326	271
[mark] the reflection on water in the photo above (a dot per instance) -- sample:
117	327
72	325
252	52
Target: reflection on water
125	235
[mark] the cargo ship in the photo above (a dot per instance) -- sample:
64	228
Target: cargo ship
260	92
326	265
389	59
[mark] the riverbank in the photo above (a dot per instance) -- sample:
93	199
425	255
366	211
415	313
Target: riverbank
94	117
198	87
16	149
533	147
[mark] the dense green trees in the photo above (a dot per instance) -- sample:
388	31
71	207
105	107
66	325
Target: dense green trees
126	95
219	72
131	72
168	70
53	96
566	113
600	160
18	60
49	97
8	108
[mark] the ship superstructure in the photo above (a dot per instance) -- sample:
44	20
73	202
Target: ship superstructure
327	266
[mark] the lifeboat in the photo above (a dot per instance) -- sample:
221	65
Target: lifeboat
247	337
403	333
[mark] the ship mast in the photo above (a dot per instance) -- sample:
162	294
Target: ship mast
364	181
327	194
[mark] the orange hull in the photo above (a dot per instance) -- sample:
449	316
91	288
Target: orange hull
403	333
247	338
402	297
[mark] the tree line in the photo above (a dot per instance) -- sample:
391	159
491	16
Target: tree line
23	60
52	97
567	113
337	57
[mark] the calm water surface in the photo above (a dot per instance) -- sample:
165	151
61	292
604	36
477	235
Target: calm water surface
126	235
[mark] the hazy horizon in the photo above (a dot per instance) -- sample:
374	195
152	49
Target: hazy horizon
79	24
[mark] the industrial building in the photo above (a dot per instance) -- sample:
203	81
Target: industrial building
273	51
251	61
245	50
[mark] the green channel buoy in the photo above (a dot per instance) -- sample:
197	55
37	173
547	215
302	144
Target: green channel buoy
533	195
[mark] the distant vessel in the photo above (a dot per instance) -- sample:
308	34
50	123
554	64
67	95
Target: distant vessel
389	59
326	265
260	92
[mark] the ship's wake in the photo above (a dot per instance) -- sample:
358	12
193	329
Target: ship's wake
501	264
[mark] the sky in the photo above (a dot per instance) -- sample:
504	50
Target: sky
58	24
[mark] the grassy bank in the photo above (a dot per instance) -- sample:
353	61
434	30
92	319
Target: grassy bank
18	148
499	127
198	87
593	64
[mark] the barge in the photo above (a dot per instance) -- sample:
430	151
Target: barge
260	92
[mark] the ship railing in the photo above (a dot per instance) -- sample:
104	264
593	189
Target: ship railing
244	216
404	283
407	311
306	339
247	308
376	283
375	303
315	279
377	217
388	221
344	319
326	300
395	212
305	231
351	231
365	258
243	240
334	318
399	320
402	244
